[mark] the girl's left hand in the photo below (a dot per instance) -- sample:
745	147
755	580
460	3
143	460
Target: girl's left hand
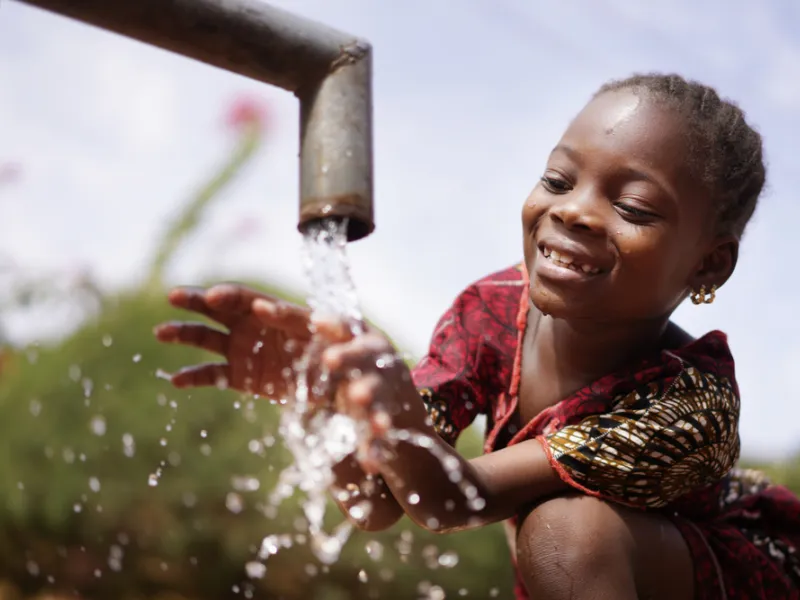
373	384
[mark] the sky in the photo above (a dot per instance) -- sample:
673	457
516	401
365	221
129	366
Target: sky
113	136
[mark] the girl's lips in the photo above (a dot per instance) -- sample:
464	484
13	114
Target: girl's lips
564	259
557	269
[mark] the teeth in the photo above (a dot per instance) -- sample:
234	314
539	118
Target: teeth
568	262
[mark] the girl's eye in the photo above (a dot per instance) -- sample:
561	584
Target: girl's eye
555	186
633	212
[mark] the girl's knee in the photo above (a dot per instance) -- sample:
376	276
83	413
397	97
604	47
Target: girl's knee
577	528
567	543
571	545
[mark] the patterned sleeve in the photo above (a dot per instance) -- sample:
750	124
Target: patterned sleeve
444	377
656	445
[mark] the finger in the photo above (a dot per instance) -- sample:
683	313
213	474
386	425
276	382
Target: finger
216	374
366	352
233	299
288	317
333	330
357	397
368	458
193	334
192	298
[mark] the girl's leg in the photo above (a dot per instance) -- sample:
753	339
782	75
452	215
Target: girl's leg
582	548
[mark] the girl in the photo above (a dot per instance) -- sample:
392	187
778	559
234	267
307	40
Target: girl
612	434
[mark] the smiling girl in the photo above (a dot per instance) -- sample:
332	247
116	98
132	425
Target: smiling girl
612	434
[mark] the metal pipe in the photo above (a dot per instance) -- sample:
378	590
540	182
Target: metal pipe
329	71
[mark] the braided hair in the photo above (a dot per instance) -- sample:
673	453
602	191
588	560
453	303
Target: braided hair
725	151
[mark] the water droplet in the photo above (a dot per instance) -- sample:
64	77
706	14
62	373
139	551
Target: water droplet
137	358
413	498
32	355
362	576
152	480
98	425
375	550
33	568
77	507
107	341
233	502
245	484
203	433
269	546
162	374
163	441
448	559
74	373
494	592
94	484
255	570
128	445
35	407
477	504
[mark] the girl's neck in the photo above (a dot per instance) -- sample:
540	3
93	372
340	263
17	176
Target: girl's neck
587	351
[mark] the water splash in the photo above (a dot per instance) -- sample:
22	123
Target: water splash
317	438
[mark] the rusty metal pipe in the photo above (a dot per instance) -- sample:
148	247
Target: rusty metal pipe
329	71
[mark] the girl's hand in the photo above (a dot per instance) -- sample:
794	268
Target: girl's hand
373	385
263	337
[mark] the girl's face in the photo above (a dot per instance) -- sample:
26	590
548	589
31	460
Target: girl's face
619	228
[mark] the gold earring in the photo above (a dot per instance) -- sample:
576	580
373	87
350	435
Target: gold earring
702	297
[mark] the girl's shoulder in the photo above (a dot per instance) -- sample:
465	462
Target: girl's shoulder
493	298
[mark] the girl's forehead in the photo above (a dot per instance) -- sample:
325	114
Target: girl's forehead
624	127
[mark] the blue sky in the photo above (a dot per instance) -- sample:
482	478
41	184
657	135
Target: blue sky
470	95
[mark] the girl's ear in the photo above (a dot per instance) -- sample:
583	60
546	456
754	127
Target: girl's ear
717	264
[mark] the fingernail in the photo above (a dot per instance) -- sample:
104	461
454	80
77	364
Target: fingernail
264	306
330	358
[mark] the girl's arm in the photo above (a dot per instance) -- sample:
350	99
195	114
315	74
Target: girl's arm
443	492
429	480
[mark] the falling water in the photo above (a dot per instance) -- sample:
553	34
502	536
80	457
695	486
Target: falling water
317	438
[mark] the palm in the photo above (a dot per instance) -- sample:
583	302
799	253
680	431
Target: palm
262	341
258	357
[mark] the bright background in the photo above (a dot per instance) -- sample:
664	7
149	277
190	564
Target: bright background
470	96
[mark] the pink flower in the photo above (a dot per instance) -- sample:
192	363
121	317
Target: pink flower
246	112
10	172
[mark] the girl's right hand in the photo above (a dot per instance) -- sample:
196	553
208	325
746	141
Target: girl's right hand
264	337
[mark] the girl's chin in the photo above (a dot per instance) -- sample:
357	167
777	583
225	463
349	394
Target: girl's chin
556	304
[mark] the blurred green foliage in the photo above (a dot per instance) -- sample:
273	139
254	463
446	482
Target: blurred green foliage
78	510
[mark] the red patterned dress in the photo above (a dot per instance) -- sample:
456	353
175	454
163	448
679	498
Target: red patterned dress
660	435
